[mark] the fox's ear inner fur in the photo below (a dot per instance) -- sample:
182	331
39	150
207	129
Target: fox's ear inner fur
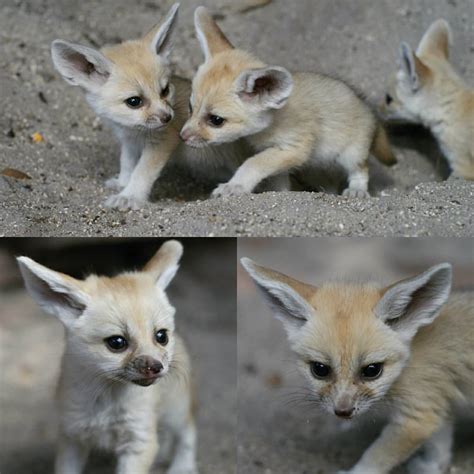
286	296
164	264
58	294
436	40
210	36
160	35
270	86
413	303
80	65
413	67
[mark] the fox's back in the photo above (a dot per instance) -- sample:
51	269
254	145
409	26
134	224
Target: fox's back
322	109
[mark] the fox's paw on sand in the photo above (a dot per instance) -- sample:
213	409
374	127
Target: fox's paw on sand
229	189
123	202
355	193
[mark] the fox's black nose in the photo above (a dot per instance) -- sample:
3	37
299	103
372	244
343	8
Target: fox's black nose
165	118
148	366
344	412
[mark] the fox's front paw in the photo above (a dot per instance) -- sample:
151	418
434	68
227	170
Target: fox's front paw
114	184
229	189
420	465
123	202
355	193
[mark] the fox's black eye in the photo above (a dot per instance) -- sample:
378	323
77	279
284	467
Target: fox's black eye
388	99
116	343
165	91
134	102
372	371
161	337
190	108
320	371
216	121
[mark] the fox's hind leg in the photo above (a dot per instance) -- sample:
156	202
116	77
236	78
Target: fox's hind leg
354	160
435	455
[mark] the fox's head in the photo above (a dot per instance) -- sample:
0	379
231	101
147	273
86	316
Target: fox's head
233	92
121	328
415	87
129	83
352	341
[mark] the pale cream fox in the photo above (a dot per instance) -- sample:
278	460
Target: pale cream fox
292	121
131	87
406	349
429	91
125	373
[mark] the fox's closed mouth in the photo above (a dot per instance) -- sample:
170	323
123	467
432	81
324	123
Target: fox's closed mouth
146	382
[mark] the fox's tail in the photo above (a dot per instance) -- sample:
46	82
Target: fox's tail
381	148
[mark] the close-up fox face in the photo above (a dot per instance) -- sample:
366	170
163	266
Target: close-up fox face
352	340
417	84
122	327
233	92
349	357
128	84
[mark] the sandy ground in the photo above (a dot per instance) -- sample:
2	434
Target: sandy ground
279	434
31	344
354	40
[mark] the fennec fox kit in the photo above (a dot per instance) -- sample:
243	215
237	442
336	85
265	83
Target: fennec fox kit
407	349
292	121
125	372
131	87
428	90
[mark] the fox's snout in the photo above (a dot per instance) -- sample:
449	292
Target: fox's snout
344	407
147	366
161	117
186	134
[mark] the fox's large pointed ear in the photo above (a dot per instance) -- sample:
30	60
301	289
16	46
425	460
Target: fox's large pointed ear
287	297
210	36
80	65
413	303
270	87
415	70
58	294
436	40
160	35
164	264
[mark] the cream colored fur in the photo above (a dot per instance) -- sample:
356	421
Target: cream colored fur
141	68
110	400
429	91
422	336
292	121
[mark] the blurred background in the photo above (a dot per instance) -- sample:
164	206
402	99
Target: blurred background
31	344
278	435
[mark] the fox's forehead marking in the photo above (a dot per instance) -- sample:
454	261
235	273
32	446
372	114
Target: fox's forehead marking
136	64
131	297
344	325
219	74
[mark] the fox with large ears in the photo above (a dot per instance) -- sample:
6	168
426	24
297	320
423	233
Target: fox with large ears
292	121
427	90
406	349
125	373
131	86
